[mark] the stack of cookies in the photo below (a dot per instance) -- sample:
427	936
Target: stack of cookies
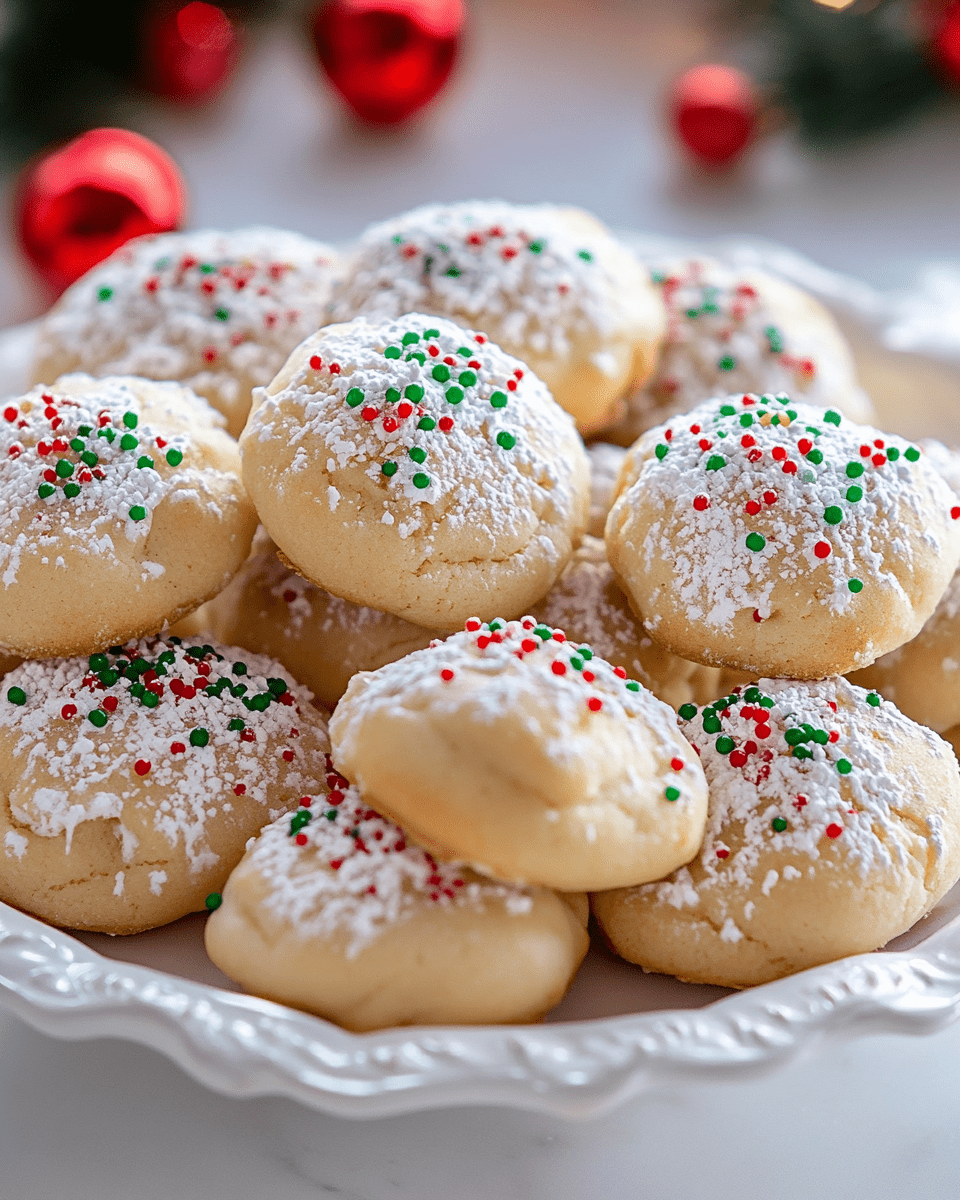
553	671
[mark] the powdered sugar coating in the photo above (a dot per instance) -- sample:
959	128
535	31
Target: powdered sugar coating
338	870
549	284
413	431
761	506
157	734
217	311
732	329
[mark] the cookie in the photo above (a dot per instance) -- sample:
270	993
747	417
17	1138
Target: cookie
414	468
529	757
132	780
764	534
322	640
834	826
332	911
550	285
740	329
588	604
217	311
122	509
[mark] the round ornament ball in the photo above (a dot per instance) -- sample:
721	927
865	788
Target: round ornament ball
79	203
946	44
388	58
187	51
714	112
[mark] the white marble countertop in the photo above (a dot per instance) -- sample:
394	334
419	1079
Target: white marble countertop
559	100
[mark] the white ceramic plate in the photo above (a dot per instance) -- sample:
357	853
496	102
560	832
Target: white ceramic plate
619	1031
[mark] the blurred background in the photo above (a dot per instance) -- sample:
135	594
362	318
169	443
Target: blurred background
830	127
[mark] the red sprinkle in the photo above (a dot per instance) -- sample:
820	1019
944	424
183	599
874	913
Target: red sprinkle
334	368
701	502
109	703
240	789
752	507
11	414
834	735
558	668
789	467
177	748
446	424
528	645
834	831
141	766
390	424
755	455
594	704
756	615
955	513
747	441
316	362
68	711
472	624
864	451
822	549
769	497
738	758
620	674
878	460
446	674
677	764
589	676
800	802
723	853
762	731
779	453
804	445
370	413
704	443
301	839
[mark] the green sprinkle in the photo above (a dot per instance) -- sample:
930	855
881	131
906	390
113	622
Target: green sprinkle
790	413
410	339
453	272
98	717
912	453
71	490
844	767
506	440
89	458
821	737
585	255
724	745
417	454
392	395
467	378
77	445
105	293
222	314
414	392
854	585
543	632
392	352
107	433
854	470
498	400
331	814
64	469
149	699
427	423
441	373
774	339
756	541
711	723
727	363
893	453
496	625
832	417
389	468
299	819
45	490
873	700
465	352
397	239
746	420
144	461
454	395
138	513
207	268
130	420
431	333
779	824
586	652
354	397
672	793
213	901
535	247
802	752
277	687
576	663
662	451
693	313
795	737
174	458
416	355
420	480
752	695
815	456
199	737
633	686
716	462
688	711
85	430
854	494
17	695
129	442
833	515
727	410
766	702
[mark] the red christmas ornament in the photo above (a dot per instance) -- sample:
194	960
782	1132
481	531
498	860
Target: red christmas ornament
78	204
714	112
946	44
187	50
388	58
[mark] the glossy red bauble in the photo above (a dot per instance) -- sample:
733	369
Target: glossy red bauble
714	112
187	51
79	203
388	58
946	44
